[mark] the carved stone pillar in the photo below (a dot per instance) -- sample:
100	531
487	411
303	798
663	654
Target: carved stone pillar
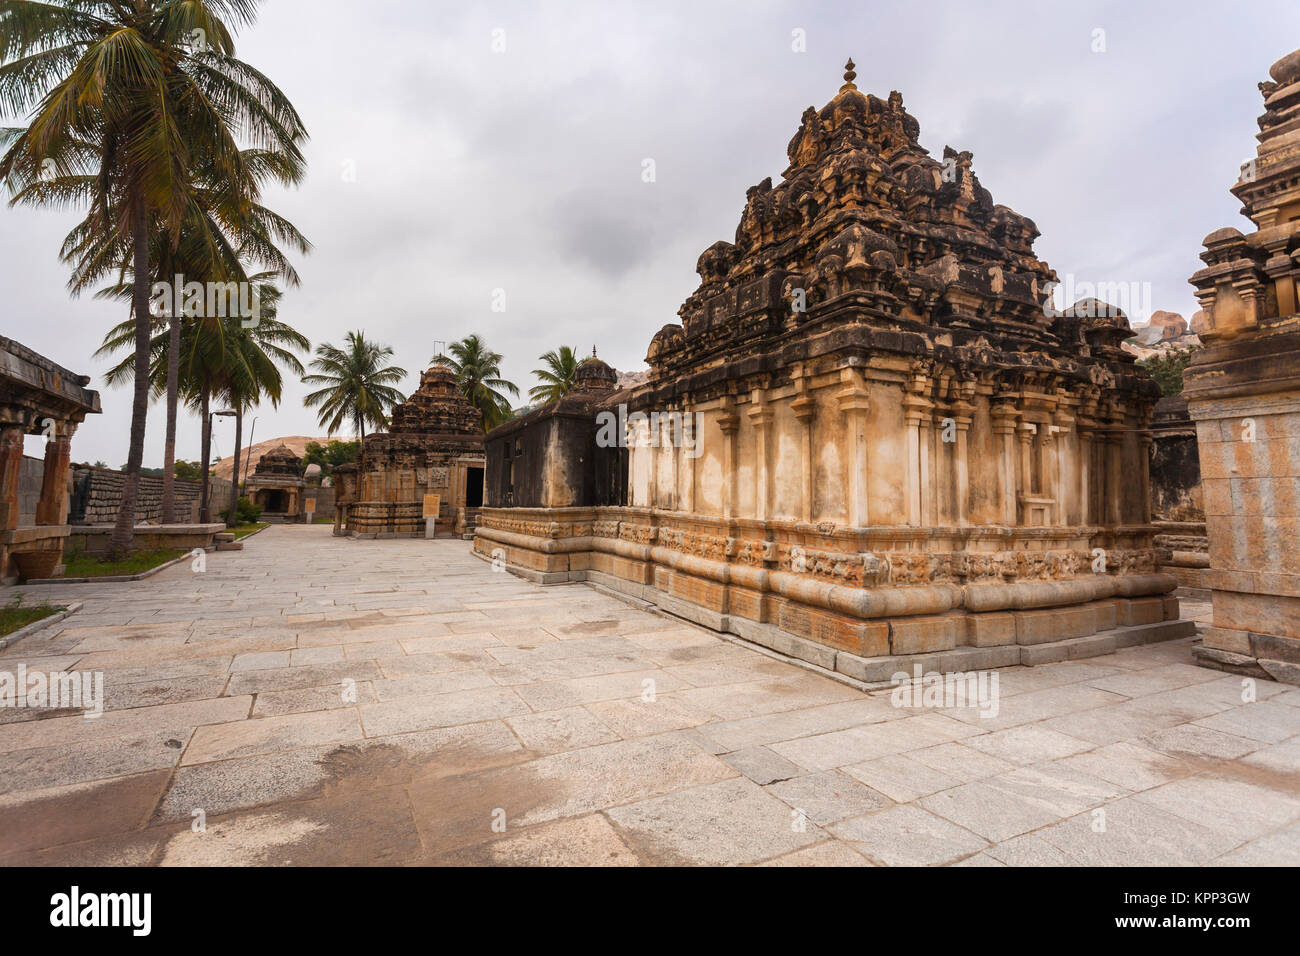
1004	426
760	418
963	413
670	437
1025	433
53	506
916	410
1145	441
11	460
692	450
1047	469
928	458
1085	471
1065	469
804	406
855	403
653	446
1114	478
729	422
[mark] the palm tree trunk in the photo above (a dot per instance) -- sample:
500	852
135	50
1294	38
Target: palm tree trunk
232	520
124	530
169	449
205	486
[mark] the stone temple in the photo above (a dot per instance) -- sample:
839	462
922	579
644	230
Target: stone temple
277	485
434	446
1243	392
870	441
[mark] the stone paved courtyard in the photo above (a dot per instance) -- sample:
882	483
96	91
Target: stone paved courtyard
494	721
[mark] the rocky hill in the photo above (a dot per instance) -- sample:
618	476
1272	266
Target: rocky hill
298	443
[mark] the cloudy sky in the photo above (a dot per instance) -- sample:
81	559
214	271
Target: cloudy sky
519	169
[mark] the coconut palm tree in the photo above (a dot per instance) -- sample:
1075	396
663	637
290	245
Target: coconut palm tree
356	385
126	100
561	368
219	359
478	372
215	246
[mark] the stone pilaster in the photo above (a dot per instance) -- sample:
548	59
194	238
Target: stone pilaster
1004	426
804	407
728	422
855	404
53	506
760	419
11	460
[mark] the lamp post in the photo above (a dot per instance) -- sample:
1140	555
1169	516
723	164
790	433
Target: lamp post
207	479
248	460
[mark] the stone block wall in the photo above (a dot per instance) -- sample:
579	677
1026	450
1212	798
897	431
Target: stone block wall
97	492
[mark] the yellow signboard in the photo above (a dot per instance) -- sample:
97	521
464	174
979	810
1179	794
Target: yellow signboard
431	505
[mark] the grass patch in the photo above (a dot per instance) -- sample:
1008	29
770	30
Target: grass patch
14	617
92	566
243	530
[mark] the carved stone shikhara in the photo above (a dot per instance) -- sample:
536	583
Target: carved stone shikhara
870	436
1243	392
434	446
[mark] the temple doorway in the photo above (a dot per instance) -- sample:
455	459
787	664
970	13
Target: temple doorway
474	488
272	500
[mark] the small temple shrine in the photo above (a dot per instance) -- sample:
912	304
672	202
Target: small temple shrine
433	447
277	486
871	441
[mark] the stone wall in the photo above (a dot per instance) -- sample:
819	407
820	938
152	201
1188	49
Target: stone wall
97	492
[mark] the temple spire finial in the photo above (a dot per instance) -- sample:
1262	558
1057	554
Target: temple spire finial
849	76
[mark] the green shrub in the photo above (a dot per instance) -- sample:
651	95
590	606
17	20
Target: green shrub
245	512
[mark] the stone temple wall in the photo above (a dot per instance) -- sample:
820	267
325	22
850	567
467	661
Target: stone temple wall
96	494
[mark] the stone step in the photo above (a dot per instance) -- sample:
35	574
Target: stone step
230	546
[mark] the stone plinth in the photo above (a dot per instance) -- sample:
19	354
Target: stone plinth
1243	392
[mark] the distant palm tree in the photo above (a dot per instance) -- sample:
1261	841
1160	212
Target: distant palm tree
557	377
478	372
356	384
